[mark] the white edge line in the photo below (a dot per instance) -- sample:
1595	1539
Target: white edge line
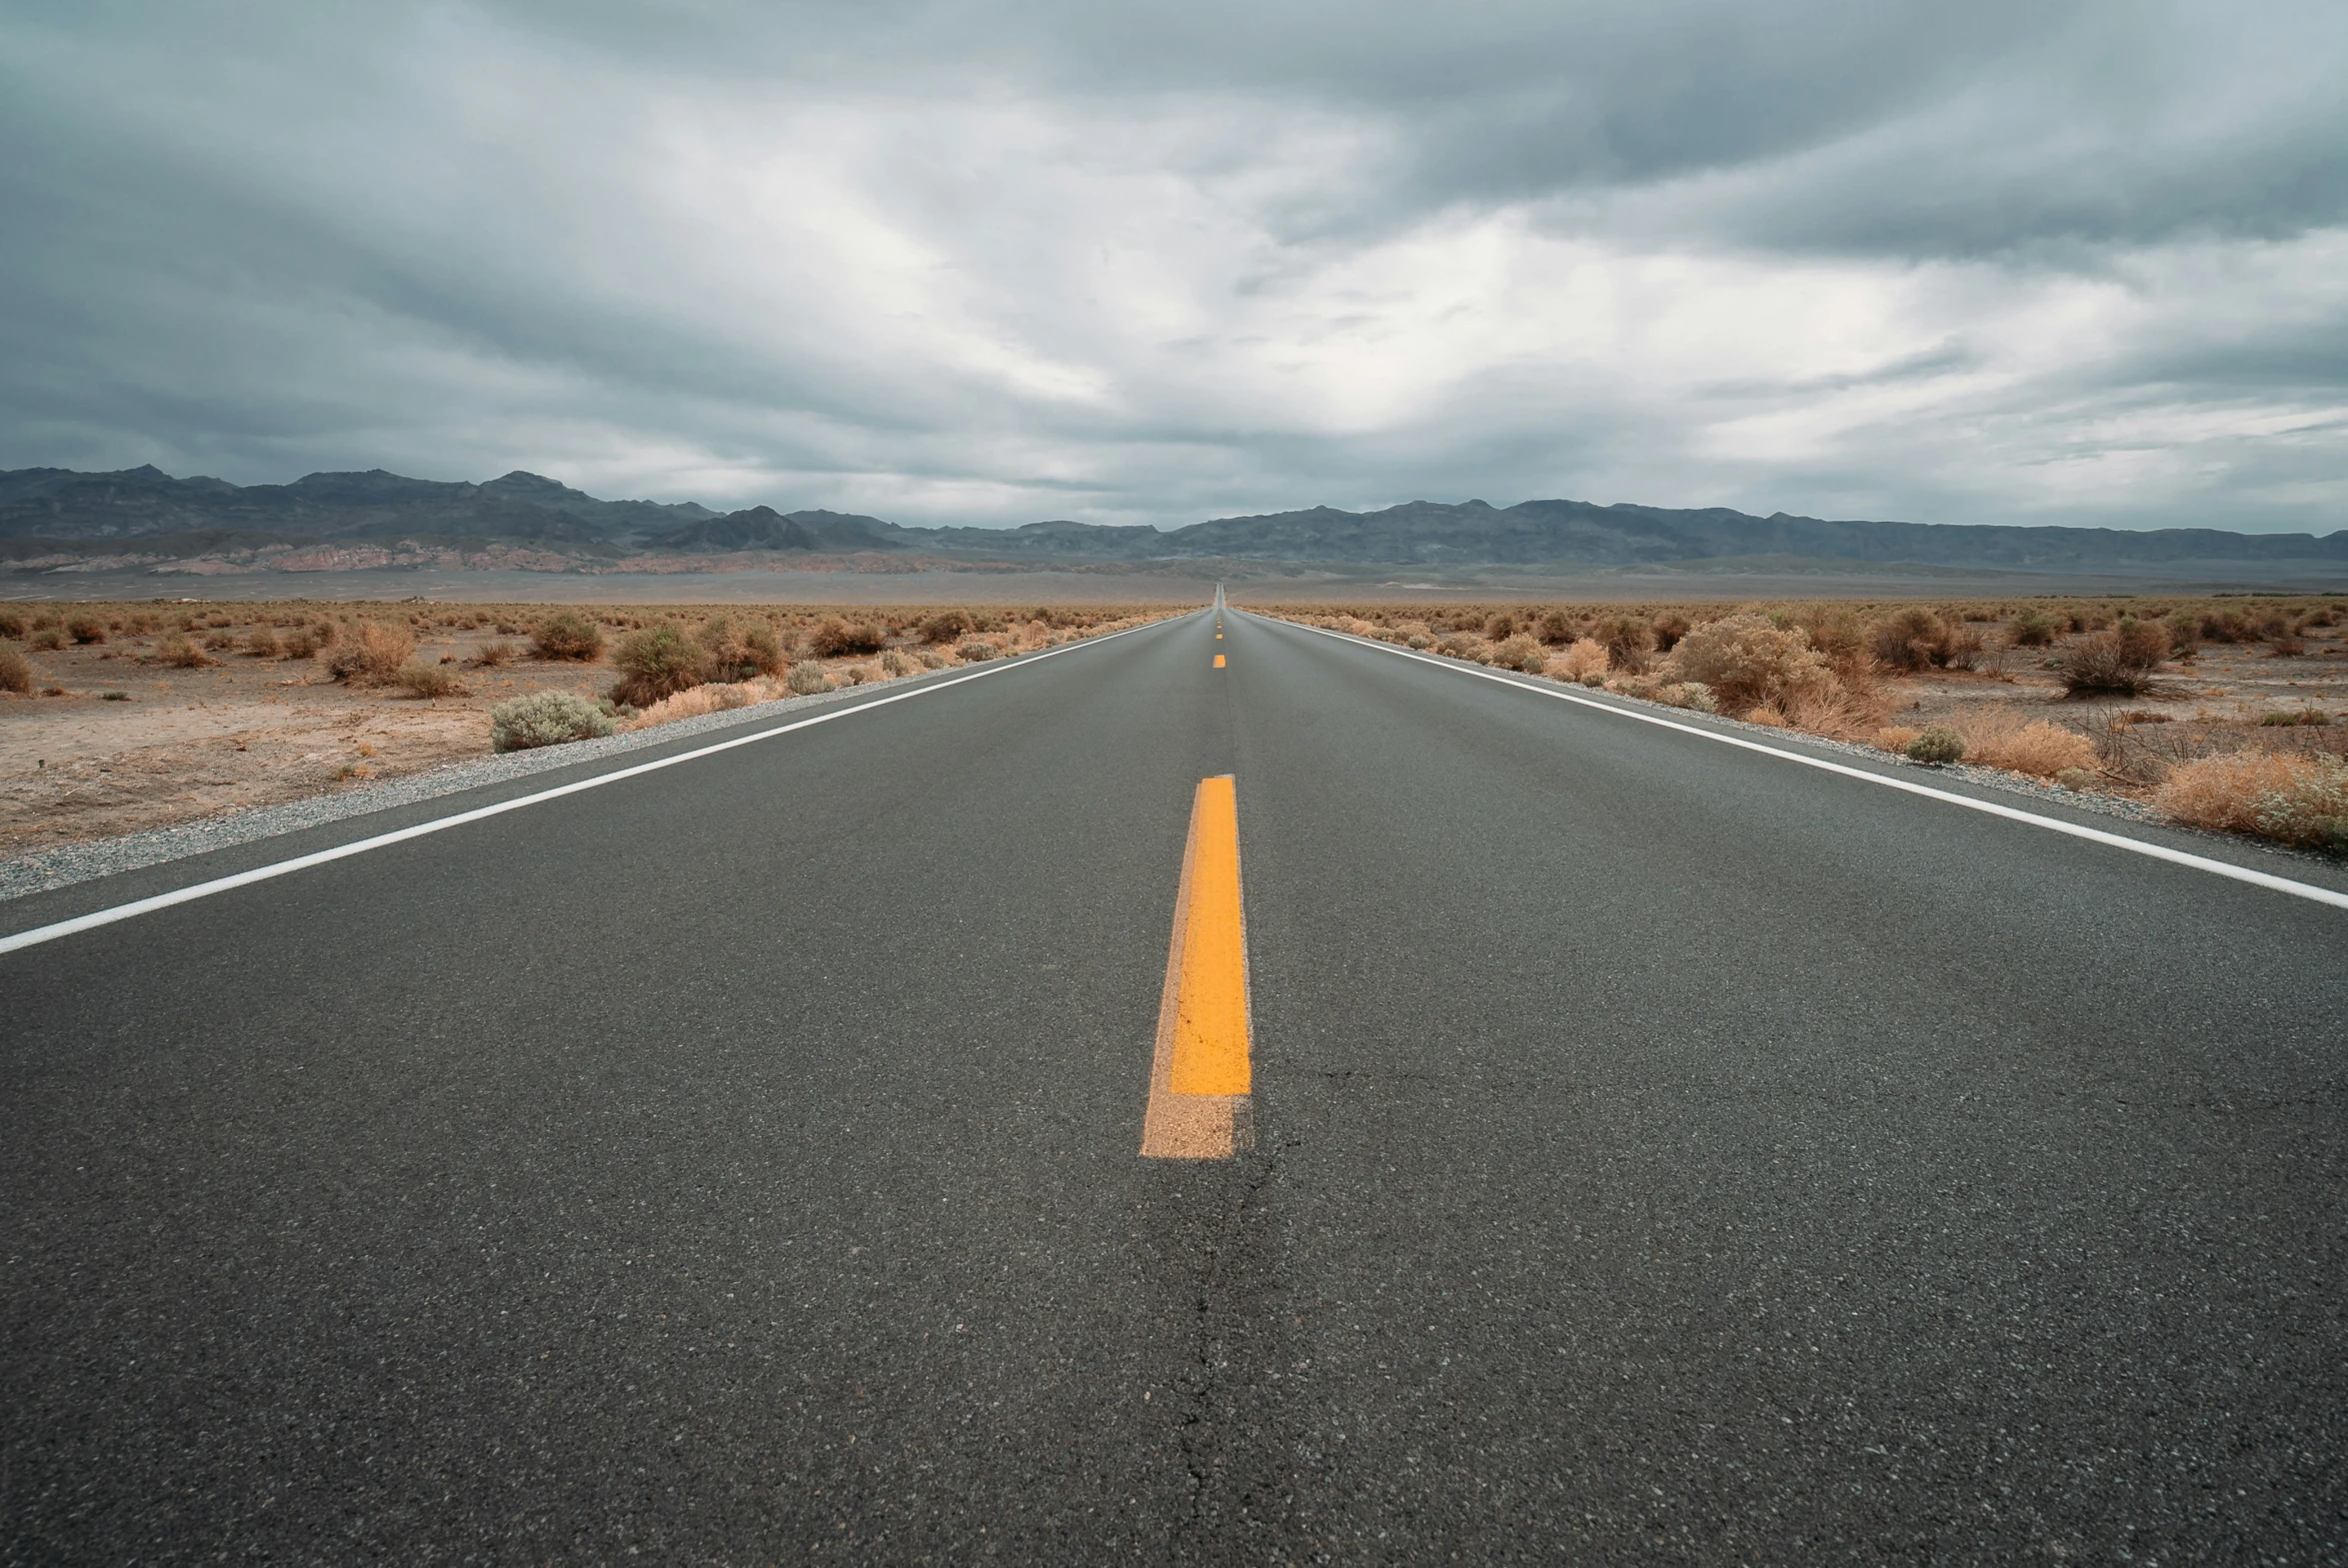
262	873
2240	873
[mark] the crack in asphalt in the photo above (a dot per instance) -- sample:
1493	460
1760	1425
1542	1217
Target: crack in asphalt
1232	1440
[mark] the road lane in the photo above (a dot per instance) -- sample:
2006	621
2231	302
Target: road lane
741	1154
1681	1155
1661	1153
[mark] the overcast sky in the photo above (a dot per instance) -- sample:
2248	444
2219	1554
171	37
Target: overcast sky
992	262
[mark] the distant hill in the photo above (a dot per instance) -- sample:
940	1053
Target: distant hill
1472	533
760	528
60	504
59	517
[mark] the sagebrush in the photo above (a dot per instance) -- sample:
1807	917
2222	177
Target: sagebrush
546	718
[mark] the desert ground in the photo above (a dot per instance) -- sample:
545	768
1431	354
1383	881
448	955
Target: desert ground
115	737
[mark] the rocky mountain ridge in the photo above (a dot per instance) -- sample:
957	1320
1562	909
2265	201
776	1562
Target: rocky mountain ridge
53	519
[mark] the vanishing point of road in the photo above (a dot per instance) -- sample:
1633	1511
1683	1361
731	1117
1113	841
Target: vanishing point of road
1132	1104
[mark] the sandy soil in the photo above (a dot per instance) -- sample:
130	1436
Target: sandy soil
245	731
174	745
2211	702
2230	683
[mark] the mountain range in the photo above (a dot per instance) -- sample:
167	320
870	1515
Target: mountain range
52	519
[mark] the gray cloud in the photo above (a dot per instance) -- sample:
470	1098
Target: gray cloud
985	262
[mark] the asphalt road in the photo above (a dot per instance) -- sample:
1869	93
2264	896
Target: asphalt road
1663	1152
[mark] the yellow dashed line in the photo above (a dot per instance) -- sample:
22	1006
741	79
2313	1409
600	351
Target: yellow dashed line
1200	1075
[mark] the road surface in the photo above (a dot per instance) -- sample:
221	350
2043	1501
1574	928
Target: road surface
1653	1151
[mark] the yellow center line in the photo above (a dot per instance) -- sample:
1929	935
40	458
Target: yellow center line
1219	660
1200	1074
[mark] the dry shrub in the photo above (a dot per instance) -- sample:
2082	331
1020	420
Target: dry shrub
1519	651
712	698
16	671
263	644
1840	638
2121	660
1961	648
1937	745
896	663
48	637
1672	694
371	653
834	637
1829	708
945	626
808	680
654	664
2001	737
1557	628
489	655
301	643
1747	661
11	625
180	649
2032	630
1767	714
418	679
975	652
2297	799
1462	644
1910	639
732	652
86	629
691	702
568	634
220	641
2226	626
1898	739
544	718
1627	640
1586	660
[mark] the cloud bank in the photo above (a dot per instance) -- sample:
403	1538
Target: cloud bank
988	263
